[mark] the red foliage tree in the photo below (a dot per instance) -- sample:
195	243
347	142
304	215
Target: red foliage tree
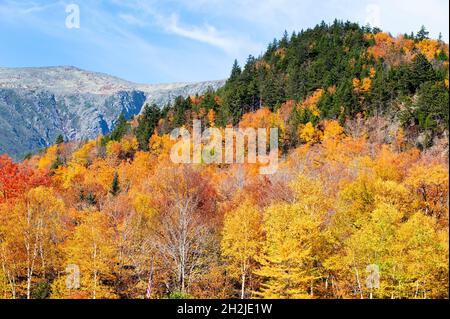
16	179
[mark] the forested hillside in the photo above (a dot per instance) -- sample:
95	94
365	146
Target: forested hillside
362	185
343	70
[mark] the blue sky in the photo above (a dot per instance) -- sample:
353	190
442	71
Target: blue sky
151	41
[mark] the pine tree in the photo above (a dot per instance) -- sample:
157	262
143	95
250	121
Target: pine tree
114	190
147	123
181	106
422	34
57	163
120	129
284	40
432	105
59	139
234	92
235	72
419	72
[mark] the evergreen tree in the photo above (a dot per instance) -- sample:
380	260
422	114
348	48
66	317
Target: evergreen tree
208	101
284	40
114	190
147	123
57	163
59	139
420	71
432	105
422	34
181	106
120	129
235	72
234	92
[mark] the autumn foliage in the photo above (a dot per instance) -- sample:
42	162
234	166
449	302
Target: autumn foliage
352	191
337	204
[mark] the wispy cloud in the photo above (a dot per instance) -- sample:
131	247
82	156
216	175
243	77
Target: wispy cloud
141	12
12	10
101	40
397	16
207	34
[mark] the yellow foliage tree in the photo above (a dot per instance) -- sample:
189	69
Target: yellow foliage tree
50	156
241	240
422	252
85	154
366	85
91	249
310	103
430	183
372	244
32	231
308	133
286	259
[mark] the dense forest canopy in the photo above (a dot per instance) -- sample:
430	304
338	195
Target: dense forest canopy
348	70
362	184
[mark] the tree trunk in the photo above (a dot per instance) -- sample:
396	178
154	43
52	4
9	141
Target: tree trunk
94	288
28	286
243	286
417	289
359	283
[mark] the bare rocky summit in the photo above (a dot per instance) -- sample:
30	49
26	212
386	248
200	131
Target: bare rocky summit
38	104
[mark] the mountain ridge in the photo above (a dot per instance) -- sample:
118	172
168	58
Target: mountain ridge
39	103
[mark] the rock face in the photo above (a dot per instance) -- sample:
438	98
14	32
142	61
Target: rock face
38	104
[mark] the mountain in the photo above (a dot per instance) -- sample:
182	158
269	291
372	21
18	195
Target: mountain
38	104
344	71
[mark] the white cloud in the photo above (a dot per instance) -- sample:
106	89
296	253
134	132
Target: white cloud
207	34
405	16
396	16
142	12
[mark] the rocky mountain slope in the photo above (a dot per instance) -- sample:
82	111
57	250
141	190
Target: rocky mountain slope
38	104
